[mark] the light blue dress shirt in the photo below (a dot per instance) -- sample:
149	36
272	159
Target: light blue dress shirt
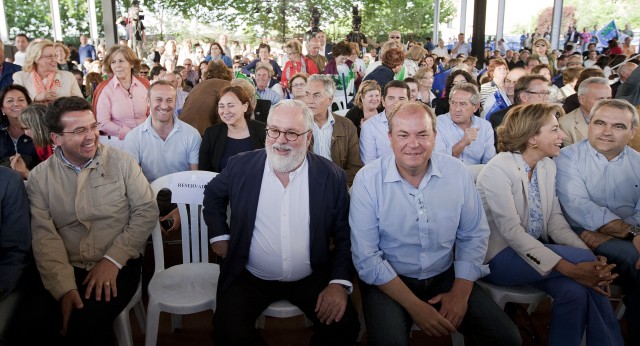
158	157
270	95
594	191
479	151
397	229
322	137
374	138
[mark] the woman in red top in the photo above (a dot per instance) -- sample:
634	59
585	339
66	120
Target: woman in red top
296	64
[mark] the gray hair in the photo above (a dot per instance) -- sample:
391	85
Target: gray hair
306	111
619	104
471	89
584	86
327	82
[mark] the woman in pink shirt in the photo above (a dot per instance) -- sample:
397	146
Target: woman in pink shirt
121	101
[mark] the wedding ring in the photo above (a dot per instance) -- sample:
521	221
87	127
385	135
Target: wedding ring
106	283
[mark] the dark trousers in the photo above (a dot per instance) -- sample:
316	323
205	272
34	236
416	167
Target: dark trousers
243	302
388	323
91	325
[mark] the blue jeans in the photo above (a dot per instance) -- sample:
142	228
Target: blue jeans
388	323
624	255
574	306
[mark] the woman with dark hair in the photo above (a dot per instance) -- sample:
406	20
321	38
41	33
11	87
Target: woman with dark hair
217	53
31	120
613	48
236	133
297	87
341	67
531	242
16	148
455	77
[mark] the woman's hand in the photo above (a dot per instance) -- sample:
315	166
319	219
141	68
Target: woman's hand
18	165
46	96
596	274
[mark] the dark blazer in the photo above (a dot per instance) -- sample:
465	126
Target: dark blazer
382	74
239	185
215	140
496	119
8	69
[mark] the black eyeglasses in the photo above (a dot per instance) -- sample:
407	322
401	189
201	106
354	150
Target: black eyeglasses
539	93
81	131
394	37
288	135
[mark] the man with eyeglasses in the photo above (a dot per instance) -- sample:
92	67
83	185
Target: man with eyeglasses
288	236
528	89
334	137
576	123
92	211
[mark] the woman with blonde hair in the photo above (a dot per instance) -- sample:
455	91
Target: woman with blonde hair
414	55
531	242
41	76
120	102
542	51
297	63
367	103
31	120
425	78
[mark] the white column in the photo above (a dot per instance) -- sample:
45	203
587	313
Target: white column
55	16
4	31
463	16
500	26
556	25
93	21
436	20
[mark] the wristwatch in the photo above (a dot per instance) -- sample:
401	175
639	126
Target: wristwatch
633	231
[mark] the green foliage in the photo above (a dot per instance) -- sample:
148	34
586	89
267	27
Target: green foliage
34	18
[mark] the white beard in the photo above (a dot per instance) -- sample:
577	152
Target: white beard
286	163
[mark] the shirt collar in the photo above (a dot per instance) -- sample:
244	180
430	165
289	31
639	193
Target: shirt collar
77	169
598	156
393	175
293	174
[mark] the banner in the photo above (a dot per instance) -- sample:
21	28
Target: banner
608	32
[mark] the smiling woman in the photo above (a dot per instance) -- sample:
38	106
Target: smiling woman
120	102
41	77
236	133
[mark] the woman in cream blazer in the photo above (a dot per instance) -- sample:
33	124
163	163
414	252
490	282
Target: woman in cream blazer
531	242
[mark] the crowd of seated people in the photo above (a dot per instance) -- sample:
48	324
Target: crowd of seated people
517	172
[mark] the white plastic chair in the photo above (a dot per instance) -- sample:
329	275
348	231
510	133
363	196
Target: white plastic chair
122	324
522	294
112	141
281	309
189	287
341	112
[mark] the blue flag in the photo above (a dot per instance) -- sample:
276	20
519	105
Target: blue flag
440	82
499	105
608	32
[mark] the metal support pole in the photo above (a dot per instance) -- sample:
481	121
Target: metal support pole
436	20
556	24
463	16
93	21
55	16
4	31
500	26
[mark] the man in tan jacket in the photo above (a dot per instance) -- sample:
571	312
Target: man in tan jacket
92	211
576	123
334	137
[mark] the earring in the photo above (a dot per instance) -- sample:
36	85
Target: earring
534	146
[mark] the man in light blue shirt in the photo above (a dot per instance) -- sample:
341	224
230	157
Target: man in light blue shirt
263	75
374	133
598	185
460	133
408	211
163	145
